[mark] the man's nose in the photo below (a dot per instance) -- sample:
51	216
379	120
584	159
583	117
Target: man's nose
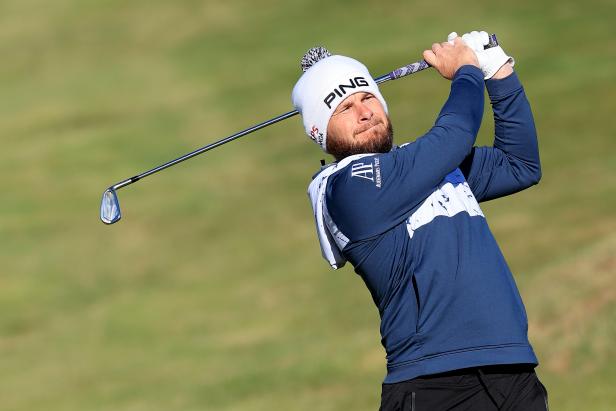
365	114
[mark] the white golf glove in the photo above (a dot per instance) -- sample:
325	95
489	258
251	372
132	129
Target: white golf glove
490	60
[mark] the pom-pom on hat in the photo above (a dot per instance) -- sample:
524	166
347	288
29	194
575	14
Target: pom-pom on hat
326	82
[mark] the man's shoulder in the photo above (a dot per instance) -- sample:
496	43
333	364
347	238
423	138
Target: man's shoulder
355	172
364	170
334	178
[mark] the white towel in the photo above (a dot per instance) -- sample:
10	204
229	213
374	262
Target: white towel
331	250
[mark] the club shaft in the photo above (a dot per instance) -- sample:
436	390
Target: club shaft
396	74
421	65
218	143
201	150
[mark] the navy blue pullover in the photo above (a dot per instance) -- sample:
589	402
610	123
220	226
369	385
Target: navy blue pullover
416	235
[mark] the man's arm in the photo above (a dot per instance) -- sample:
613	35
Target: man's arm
375	193
512	164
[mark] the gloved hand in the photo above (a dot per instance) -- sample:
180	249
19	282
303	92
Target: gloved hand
490	60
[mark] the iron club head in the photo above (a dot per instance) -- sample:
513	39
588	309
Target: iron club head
110	207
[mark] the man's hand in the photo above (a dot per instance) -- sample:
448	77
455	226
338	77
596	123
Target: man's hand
494	63
448	57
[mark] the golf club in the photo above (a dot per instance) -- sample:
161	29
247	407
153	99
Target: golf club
110	206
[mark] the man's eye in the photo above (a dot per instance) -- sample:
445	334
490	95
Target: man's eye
368	97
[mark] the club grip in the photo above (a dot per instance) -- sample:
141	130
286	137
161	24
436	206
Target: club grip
408	69
492	43
422	64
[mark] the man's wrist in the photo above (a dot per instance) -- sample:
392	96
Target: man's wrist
501	88
505	71
468	68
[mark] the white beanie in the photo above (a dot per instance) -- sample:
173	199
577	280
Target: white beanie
324	86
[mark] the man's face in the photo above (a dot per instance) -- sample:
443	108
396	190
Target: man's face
359	125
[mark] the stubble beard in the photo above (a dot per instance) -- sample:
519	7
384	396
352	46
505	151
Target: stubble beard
380	141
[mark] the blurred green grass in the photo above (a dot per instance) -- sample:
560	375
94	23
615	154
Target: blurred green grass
211	293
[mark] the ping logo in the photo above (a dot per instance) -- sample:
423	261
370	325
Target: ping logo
341	90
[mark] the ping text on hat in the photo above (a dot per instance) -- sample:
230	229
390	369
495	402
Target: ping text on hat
341	89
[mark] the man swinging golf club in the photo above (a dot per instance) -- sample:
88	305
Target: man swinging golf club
408	219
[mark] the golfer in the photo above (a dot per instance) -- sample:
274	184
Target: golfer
408	219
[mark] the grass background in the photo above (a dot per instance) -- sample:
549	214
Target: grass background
211	293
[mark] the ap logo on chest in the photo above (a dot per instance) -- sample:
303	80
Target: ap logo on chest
369	171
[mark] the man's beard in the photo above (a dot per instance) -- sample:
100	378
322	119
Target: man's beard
382	142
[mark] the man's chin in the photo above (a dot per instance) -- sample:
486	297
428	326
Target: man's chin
377	139
367	135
